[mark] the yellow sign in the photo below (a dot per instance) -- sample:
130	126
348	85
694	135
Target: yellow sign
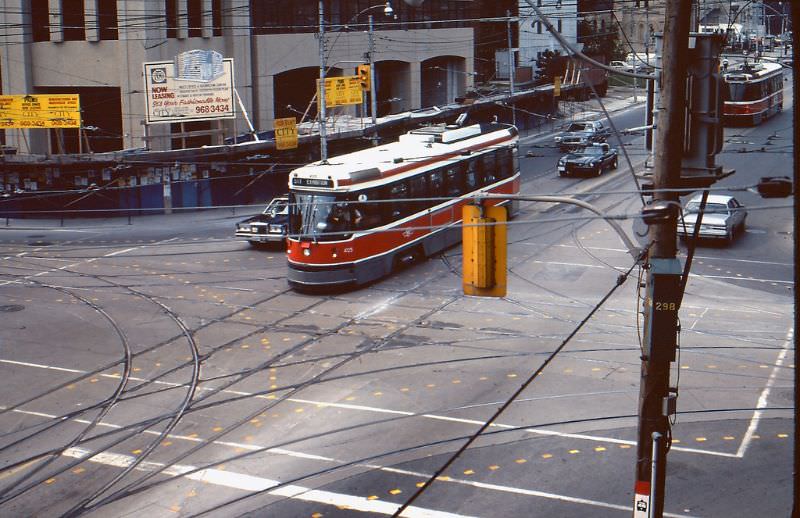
285	133
556	86
340	91
40	111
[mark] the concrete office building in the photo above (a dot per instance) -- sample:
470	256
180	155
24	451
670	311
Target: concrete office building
424	56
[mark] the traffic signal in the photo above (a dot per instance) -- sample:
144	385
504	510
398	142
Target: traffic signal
484	241
363	77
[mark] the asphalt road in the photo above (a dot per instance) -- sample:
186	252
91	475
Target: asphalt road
163	368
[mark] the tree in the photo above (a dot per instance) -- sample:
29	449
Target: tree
600	43
548	65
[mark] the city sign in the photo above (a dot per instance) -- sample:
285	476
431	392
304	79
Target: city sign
285	133
196	85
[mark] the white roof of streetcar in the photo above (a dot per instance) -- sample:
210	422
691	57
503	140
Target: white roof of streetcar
426	147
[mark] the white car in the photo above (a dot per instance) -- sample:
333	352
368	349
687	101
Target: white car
621	65
724	216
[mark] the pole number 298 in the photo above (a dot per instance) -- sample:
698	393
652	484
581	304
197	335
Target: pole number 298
665	306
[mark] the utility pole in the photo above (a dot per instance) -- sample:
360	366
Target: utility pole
372	87
511	63
664	271
323	141
795	12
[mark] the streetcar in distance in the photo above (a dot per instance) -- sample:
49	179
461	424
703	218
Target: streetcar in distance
753	93
359	216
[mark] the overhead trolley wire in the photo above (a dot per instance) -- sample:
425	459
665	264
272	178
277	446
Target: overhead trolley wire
620	280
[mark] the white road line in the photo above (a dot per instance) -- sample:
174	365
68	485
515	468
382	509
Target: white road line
253	483
695	275
733	277
114	459
520	491
762	400
72	265
118	252
378	410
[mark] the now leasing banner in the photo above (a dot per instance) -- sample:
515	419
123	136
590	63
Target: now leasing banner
197	85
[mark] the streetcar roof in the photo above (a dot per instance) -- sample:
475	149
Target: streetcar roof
424	147
751	71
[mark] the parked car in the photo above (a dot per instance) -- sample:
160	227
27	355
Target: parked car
271	226
621	65
593	159
582	134
723	217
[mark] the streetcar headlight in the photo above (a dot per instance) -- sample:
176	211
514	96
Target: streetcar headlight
306	252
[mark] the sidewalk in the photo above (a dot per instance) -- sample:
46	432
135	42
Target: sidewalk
155	218
617	99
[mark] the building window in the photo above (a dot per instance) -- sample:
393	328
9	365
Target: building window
216	17
107	20
559	25
194	18
538	27
40	20
171	14
72	20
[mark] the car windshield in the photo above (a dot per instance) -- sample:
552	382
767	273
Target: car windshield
577	127
277	206
319	216
711	208
593	150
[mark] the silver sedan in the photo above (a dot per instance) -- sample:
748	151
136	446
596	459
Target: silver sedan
723	217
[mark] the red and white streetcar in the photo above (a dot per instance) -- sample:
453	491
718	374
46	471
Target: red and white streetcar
359	216
754	92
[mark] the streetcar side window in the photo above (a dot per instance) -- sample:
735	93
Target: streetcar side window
489	168
419	193
399	206
505	163
435	182
454	181
471	175
753	92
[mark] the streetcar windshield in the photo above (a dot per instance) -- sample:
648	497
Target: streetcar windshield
319	216
735	92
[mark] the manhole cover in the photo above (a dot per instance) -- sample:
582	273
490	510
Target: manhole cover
11	308
40	243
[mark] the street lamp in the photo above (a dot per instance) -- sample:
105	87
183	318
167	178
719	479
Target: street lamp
373	106
388	11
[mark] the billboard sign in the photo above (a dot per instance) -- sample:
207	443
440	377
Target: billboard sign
196	85
340	91
40	111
